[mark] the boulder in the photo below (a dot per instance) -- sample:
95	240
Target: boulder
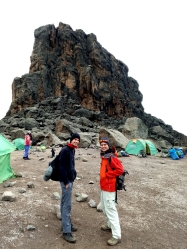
117	139
134	128
87	138
51	139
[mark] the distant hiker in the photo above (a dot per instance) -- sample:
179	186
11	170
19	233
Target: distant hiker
53	152
67	176
29	132
108	191
27	144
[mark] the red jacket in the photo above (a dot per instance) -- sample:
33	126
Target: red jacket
108	175
27	140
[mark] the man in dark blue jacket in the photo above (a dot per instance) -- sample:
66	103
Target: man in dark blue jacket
67	176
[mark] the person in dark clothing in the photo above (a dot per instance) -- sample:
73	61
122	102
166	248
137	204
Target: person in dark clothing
53	152
67	176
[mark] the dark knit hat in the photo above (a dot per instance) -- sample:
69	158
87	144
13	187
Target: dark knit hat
104	140
75	135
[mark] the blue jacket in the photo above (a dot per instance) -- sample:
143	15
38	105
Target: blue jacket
67	165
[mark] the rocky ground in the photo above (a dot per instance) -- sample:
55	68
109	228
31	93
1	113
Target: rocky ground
152	211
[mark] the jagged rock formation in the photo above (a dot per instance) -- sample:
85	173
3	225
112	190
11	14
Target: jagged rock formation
74	79
75	67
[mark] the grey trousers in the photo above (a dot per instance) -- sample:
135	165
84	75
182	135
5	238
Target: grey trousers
65	207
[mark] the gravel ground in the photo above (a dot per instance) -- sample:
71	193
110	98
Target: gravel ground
153	210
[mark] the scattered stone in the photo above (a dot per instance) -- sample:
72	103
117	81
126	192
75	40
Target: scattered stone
9	184
84	160
56	211
18	174
91	182
82	197
31	228
89	154
99	207
92	204
56	196
92	146
78	178
8	196
21	190
41	159
77	194
93	156
77	158
30	185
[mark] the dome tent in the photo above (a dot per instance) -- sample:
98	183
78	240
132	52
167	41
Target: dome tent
6	148
134	147
19	143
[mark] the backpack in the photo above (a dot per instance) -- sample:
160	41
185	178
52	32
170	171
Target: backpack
53	169
120	180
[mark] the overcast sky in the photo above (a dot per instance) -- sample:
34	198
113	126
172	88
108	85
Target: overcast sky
149	36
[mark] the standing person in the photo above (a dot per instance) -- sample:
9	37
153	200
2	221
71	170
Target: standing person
108	192
27	144
67	176
53	152
29	132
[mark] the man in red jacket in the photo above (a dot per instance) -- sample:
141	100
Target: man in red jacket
108	191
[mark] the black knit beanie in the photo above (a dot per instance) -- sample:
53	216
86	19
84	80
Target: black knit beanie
104	140
75	135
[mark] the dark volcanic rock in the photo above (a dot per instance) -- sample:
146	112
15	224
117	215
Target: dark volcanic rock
73	78
74	65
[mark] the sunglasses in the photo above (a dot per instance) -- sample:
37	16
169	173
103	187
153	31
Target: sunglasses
104	141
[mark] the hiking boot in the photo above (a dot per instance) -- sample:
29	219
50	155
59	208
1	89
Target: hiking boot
113	241
26	158
105	228
73	228
69	237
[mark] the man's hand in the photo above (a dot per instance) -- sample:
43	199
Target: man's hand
67	185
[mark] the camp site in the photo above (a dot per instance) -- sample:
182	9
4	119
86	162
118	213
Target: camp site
6	148
152	211
134	146
18	143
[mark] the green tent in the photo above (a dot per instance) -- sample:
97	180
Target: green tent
135	145
19	143
6	148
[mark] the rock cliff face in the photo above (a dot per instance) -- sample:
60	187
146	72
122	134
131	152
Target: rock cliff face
73	77
74	66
